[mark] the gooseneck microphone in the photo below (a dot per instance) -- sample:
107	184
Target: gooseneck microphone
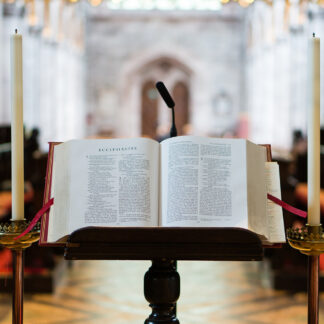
170	103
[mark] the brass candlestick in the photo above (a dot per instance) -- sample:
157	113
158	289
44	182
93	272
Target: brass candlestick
8	233
309	240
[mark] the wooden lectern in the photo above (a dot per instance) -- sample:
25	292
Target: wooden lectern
164	246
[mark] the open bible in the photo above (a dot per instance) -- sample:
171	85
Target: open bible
181	182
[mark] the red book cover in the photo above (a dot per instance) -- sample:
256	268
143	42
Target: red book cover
47	197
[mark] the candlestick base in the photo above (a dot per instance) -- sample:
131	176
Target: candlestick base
308	240
9	231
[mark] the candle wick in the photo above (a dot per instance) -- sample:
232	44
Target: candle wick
313	34
16	30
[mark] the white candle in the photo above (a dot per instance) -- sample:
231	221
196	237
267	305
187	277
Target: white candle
314	134
17	129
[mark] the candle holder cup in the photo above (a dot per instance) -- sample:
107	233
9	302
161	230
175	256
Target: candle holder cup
8	232
308	240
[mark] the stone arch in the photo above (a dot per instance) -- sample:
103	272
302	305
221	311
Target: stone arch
170	66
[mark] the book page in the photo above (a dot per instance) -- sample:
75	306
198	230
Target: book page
58	214
274	211
114	182
203	182
257	193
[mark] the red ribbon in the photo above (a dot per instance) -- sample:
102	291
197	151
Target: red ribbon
40	213
288	207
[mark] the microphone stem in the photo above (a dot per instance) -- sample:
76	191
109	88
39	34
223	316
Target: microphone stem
173	130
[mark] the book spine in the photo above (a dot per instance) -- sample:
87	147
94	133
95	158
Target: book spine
47	192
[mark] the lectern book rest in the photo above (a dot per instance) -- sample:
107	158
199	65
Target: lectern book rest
185	181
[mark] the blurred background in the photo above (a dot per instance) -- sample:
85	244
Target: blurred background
234	68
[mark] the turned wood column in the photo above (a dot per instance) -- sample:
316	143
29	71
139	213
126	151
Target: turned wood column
313	287
18	284
162	290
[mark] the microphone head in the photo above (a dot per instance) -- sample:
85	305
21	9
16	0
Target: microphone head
165	94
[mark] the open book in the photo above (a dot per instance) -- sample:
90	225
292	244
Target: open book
183	181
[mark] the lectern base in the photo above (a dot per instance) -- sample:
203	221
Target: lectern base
162	290
164	246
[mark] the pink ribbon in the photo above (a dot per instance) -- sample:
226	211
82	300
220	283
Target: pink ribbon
39	214
288	207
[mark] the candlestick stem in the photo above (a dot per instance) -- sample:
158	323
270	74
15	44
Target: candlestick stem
313	282
18	291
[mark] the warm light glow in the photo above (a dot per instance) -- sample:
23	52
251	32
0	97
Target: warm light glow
31	12
95	3
166	4
245	3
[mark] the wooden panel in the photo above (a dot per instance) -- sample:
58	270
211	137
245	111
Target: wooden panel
132	243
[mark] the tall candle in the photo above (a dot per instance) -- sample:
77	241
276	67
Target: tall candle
17	129
314	134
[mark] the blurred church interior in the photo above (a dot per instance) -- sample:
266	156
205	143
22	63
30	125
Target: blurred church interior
235	68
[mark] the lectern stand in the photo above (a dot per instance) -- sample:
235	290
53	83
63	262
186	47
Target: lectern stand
164	246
